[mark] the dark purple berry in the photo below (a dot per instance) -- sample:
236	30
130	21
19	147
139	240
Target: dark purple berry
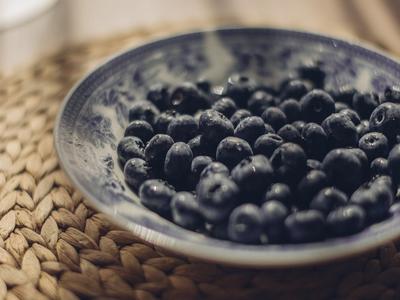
245	224
225	106
130	147
259	102
346	220
140	129
316	106
291	109
305	226
136	171
143	110
365	103
374	144
239	115
185	210
183	128
274	117
328	199
249	129
267	143
232	150
156	195
156	150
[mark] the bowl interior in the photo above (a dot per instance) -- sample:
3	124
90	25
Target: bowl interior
94	116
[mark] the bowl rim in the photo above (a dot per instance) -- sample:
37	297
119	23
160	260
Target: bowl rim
245	256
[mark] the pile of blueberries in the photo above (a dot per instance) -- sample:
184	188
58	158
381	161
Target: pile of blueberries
256	164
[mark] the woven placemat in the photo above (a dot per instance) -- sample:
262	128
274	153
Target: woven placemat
54	246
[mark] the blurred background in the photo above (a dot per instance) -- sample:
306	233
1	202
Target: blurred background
30	29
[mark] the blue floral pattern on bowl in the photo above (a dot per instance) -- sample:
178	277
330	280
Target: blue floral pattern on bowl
94	115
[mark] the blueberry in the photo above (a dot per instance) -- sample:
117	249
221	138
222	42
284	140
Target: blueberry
130	147
352	114
365	103
394	163
292	109
267	143
185	210
290	134
343	168
305	226
363	127
162	120
204	85
199	163
379	166
274	117
295	89
232	150
239	115
217	196
259	102
140	129
313	164
273	214
362	157
143	110
313	72
375	200
214	126
225	106
386	119
279	192
392	94
156	195
374	144
158	95
187	98
240	88
219	231
156	150
346	220
253	174
315	140
245	224
316	106
250	129
309	186
178	163
182	128
339	106
201	147
269	129
136	171
344	94
299	125
341	130
328	199
214	168
289	162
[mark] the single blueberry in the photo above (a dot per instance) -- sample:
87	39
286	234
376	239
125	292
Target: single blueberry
162	120
309	186
344	94
269	129
158	94
346	220
290	134
249	129
313	164
344	169
386	119
140	129
199	163
178	163
232	150
379	166
245	224
253	174
204	85
299	125
394	163
185	210
239	115
328	199
136	171
183	128
273	214
365	103
289	162
363	127
313	72
315	140
143	110
339	106
392	94
214	168
214	126
156	195
225	106
295	89
200	147
130	147
156	150
274	117
259	102
374	144
240	88
267	143
340	130
187	98
363	160
217	195
316	106
352	114
279	192
292	109
305	226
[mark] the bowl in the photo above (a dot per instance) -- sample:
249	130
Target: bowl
94	114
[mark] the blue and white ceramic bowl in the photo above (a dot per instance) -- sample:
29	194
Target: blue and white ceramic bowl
94	115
